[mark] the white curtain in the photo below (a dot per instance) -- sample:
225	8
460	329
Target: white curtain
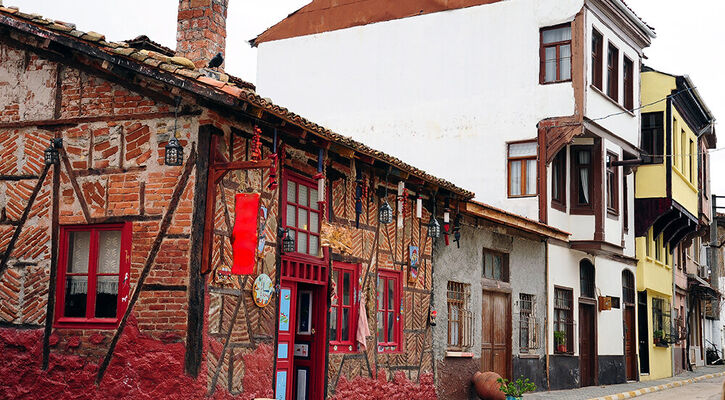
531	177
584	175
515	178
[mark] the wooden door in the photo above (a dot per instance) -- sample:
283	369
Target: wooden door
630	343
587	344
496	333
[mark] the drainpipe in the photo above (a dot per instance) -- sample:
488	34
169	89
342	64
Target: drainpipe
546	323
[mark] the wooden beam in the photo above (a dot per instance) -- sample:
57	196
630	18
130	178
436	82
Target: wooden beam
21	222
237	165
50	306
96	118
165	223
76	187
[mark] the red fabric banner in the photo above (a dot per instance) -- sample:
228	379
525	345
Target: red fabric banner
244	235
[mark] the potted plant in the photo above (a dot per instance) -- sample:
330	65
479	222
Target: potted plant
515	390
560	339
658	336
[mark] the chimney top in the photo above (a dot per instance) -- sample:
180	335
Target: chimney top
201	30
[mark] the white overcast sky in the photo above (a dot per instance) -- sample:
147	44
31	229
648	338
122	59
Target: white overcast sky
689	37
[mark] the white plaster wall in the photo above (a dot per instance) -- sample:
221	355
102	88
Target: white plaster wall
610	322
442	91
613	225
564	272
625	125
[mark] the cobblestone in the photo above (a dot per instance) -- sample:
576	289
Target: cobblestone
594	392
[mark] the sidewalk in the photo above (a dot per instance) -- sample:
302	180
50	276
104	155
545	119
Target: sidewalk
623	390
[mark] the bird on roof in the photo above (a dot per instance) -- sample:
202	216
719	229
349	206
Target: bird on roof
216	61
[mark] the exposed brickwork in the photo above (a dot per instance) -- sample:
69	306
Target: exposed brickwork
201	29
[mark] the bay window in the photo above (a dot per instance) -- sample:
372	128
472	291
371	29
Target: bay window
558	181
581	178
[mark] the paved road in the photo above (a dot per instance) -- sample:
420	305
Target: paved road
710	389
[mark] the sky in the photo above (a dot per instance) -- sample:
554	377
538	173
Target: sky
689	38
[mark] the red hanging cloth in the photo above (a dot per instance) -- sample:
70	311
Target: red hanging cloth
244	235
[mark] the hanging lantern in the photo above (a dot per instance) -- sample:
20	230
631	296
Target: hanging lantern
52	156
385	215
174	153
288	243
434	228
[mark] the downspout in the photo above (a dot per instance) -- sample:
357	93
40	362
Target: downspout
546	323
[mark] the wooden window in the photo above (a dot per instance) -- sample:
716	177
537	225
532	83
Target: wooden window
676	144
658	248
612	185
563	321
389	311
661	322
581	179
586	279
653	134
558	181
613	72
528	326
628	74
648	243
460	317
495	265
597	51
555	54
343	307
302	214
93	275
693	161
628	287
683	153
522	169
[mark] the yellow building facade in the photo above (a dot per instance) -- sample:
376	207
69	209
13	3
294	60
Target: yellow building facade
666	209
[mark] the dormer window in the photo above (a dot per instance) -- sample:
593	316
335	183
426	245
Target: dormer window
555	54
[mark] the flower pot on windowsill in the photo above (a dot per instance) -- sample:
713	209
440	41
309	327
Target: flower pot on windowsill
561	348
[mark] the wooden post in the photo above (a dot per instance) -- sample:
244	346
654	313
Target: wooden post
50	310
197	284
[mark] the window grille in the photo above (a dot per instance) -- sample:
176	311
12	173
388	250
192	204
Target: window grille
460	318
662	332
529	327
563	321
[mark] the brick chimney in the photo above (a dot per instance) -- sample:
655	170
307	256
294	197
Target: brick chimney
201	30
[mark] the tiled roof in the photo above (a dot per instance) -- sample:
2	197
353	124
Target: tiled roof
638	17
183	68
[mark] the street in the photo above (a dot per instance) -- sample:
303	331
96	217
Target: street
710	389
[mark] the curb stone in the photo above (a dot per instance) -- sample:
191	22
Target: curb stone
634	393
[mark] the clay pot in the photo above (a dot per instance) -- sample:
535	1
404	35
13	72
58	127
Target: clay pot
486	386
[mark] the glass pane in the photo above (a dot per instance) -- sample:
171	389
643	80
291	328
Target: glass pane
79	248
313	199
346	288
391	294
106	296
380	289
314	222
527	149
556	35
381	327
109	252
345	328
336	283
550	64
333	323
314	245
391	331
584	186
497	268
303	315
515	178
487	265
530	176
302	242
302	218
565	62
291	216
291	192
76	294
303	196
584	157
555	171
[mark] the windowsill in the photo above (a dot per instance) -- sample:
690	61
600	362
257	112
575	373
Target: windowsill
342	348
529	356
611	100
581	210
553	82
521	196
613	214
564	354
558	206
459	354
75	323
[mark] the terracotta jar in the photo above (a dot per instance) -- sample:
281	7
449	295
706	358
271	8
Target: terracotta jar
486	386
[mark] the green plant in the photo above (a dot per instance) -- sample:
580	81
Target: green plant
560	337
658	334
516	388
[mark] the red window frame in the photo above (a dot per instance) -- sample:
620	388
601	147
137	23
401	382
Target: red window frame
310	184
628	75
384	280
337	345
597	50
612	185
90	321
613	72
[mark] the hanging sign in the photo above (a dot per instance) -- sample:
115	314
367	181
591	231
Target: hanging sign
244	235
262	290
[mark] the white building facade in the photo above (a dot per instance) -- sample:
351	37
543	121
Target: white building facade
530	104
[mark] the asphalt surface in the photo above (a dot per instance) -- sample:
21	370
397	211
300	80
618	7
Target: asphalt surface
710	389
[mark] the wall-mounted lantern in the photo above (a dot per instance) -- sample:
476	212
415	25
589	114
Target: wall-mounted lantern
174	155
52	155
